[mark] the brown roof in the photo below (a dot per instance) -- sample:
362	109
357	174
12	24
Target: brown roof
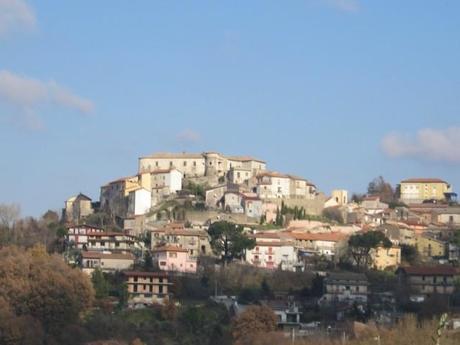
328	236
430	270
145	274
272	244
174	155
107	233
99	255
244	159
169	248
182	232
266	235
272	174
423	180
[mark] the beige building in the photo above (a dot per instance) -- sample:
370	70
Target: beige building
429	247
340	196
416	190
147	288
331	245
274	185
105	261
239	175
103	241
448	216
199	165
77	208
196	242
383	258
114	195
345	288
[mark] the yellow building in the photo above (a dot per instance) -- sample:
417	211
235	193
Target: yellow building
415	190
429	247
382	258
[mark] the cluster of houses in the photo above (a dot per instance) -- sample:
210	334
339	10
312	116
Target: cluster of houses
426	218
233	184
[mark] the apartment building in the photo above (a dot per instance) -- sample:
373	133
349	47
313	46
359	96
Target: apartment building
416	190
428	280
345	288
147	288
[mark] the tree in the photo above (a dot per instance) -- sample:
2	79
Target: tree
381	188
42	288
360	246
252	322
148	262
228	240
409	254
334	214
100	284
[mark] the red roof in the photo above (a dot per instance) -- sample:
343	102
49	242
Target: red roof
430	270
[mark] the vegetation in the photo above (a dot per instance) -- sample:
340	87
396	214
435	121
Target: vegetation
381	188
409	330
253	322
196	189
229	240
41	290
409	254
334	214
360	246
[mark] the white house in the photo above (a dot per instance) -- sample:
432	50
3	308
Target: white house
273	251
272	185
139	202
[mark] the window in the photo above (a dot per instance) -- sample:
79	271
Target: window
185	163
173	255
156	163
135	288
171	164
162	263
194	163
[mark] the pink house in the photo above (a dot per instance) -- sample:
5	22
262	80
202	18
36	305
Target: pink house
173	258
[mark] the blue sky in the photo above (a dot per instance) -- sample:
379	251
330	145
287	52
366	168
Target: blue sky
338	91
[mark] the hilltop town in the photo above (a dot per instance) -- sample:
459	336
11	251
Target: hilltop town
228	229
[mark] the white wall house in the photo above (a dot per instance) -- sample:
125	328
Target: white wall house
272	185
273	251
139	202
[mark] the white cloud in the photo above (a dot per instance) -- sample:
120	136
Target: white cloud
426	144
188	136
27	94
15	15
343	5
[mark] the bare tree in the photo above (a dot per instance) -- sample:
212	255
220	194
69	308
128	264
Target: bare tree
9	214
